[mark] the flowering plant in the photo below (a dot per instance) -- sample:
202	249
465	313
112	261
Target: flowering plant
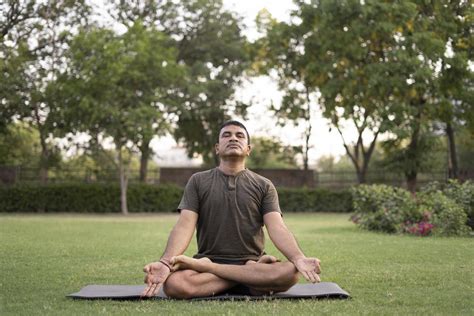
421	228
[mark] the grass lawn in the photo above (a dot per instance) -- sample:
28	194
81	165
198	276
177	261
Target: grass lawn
43	258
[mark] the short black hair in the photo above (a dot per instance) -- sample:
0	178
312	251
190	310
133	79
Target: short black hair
236	123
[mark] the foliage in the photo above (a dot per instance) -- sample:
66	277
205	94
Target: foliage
386	67
34	40
428	155
314	200
462	194
448	217
383	208
19	146
437	209
104	198
330	163
269	153
126	85
212	47
87	198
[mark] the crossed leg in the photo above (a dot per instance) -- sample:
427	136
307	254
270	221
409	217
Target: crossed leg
202	277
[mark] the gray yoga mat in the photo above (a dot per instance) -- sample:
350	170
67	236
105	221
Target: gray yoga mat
132	292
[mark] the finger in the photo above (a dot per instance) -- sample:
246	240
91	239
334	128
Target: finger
317	267
316	278
150	291
145	291
157	289
306	276
311	277
175	267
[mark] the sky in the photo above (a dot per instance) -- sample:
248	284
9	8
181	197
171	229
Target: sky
262	91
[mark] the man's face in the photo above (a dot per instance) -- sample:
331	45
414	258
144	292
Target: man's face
233	142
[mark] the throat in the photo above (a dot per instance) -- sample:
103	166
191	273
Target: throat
231	169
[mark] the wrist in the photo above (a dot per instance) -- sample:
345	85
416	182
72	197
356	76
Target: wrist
165	262
296	258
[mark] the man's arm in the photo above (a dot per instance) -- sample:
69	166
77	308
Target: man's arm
178	241
284	240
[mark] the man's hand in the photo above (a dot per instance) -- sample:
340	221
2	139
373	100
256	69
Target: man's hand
310	268
156	275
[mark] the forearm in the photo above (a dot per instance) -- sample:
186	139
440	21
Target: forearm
179	238
284	240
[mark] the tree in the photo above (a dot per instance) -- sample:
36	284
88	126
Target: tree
30	66
439	81
337	55
118	86
454	83
279	51
375	65
213	49
209	44
269	153
19	146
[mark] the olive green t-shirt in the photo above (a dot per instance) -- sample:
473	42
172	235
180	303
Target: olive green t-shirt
230	209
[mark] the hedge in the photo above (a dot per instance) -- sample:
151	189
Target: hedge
105	198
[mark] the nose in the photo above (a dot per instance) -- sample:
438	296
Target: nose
233	137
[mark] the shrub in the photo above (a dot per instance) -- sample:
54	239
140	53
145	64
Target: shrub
462	194
383	208
314	200
437	209
448	217
87	198
105	198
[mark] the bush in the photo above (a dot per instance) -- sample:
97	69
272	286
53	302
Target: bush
448	217
87	198
105	198
314	200
437	209
383	208
462	194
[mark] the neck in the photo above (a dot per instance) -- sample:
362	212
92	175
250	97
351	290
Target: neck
231	167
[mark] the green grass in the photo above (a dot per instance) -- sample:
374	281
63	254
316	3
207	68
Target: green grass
43	258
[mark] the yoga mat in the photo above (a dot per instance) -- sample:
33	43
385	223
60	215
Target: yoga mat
132	292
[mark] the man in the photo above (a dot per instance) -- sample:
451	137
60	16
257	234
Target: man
229	206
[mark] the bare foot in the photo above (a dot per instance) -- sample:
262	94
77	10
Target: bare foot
264	259
267	259
184	262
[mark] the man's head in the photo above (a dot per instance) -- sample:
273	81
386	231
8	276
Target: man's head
234	140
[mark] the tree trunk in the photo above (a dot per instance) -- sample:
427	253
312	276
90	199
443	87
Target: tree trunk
453	160
361	167
306	150
411	178
361	175
44	161
145	155
308	131
123	184
412	154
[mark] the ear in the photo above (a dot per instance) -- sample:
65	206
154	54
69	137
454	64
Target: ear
249	149
216	148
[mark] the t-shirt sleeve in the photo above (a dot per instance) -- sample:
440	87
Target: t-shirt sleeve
270	200
190	199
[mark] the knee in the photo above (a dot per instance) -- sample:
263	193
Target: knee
179	287
286	277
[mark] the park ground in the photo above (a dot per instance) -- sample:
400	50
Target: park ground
45	257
